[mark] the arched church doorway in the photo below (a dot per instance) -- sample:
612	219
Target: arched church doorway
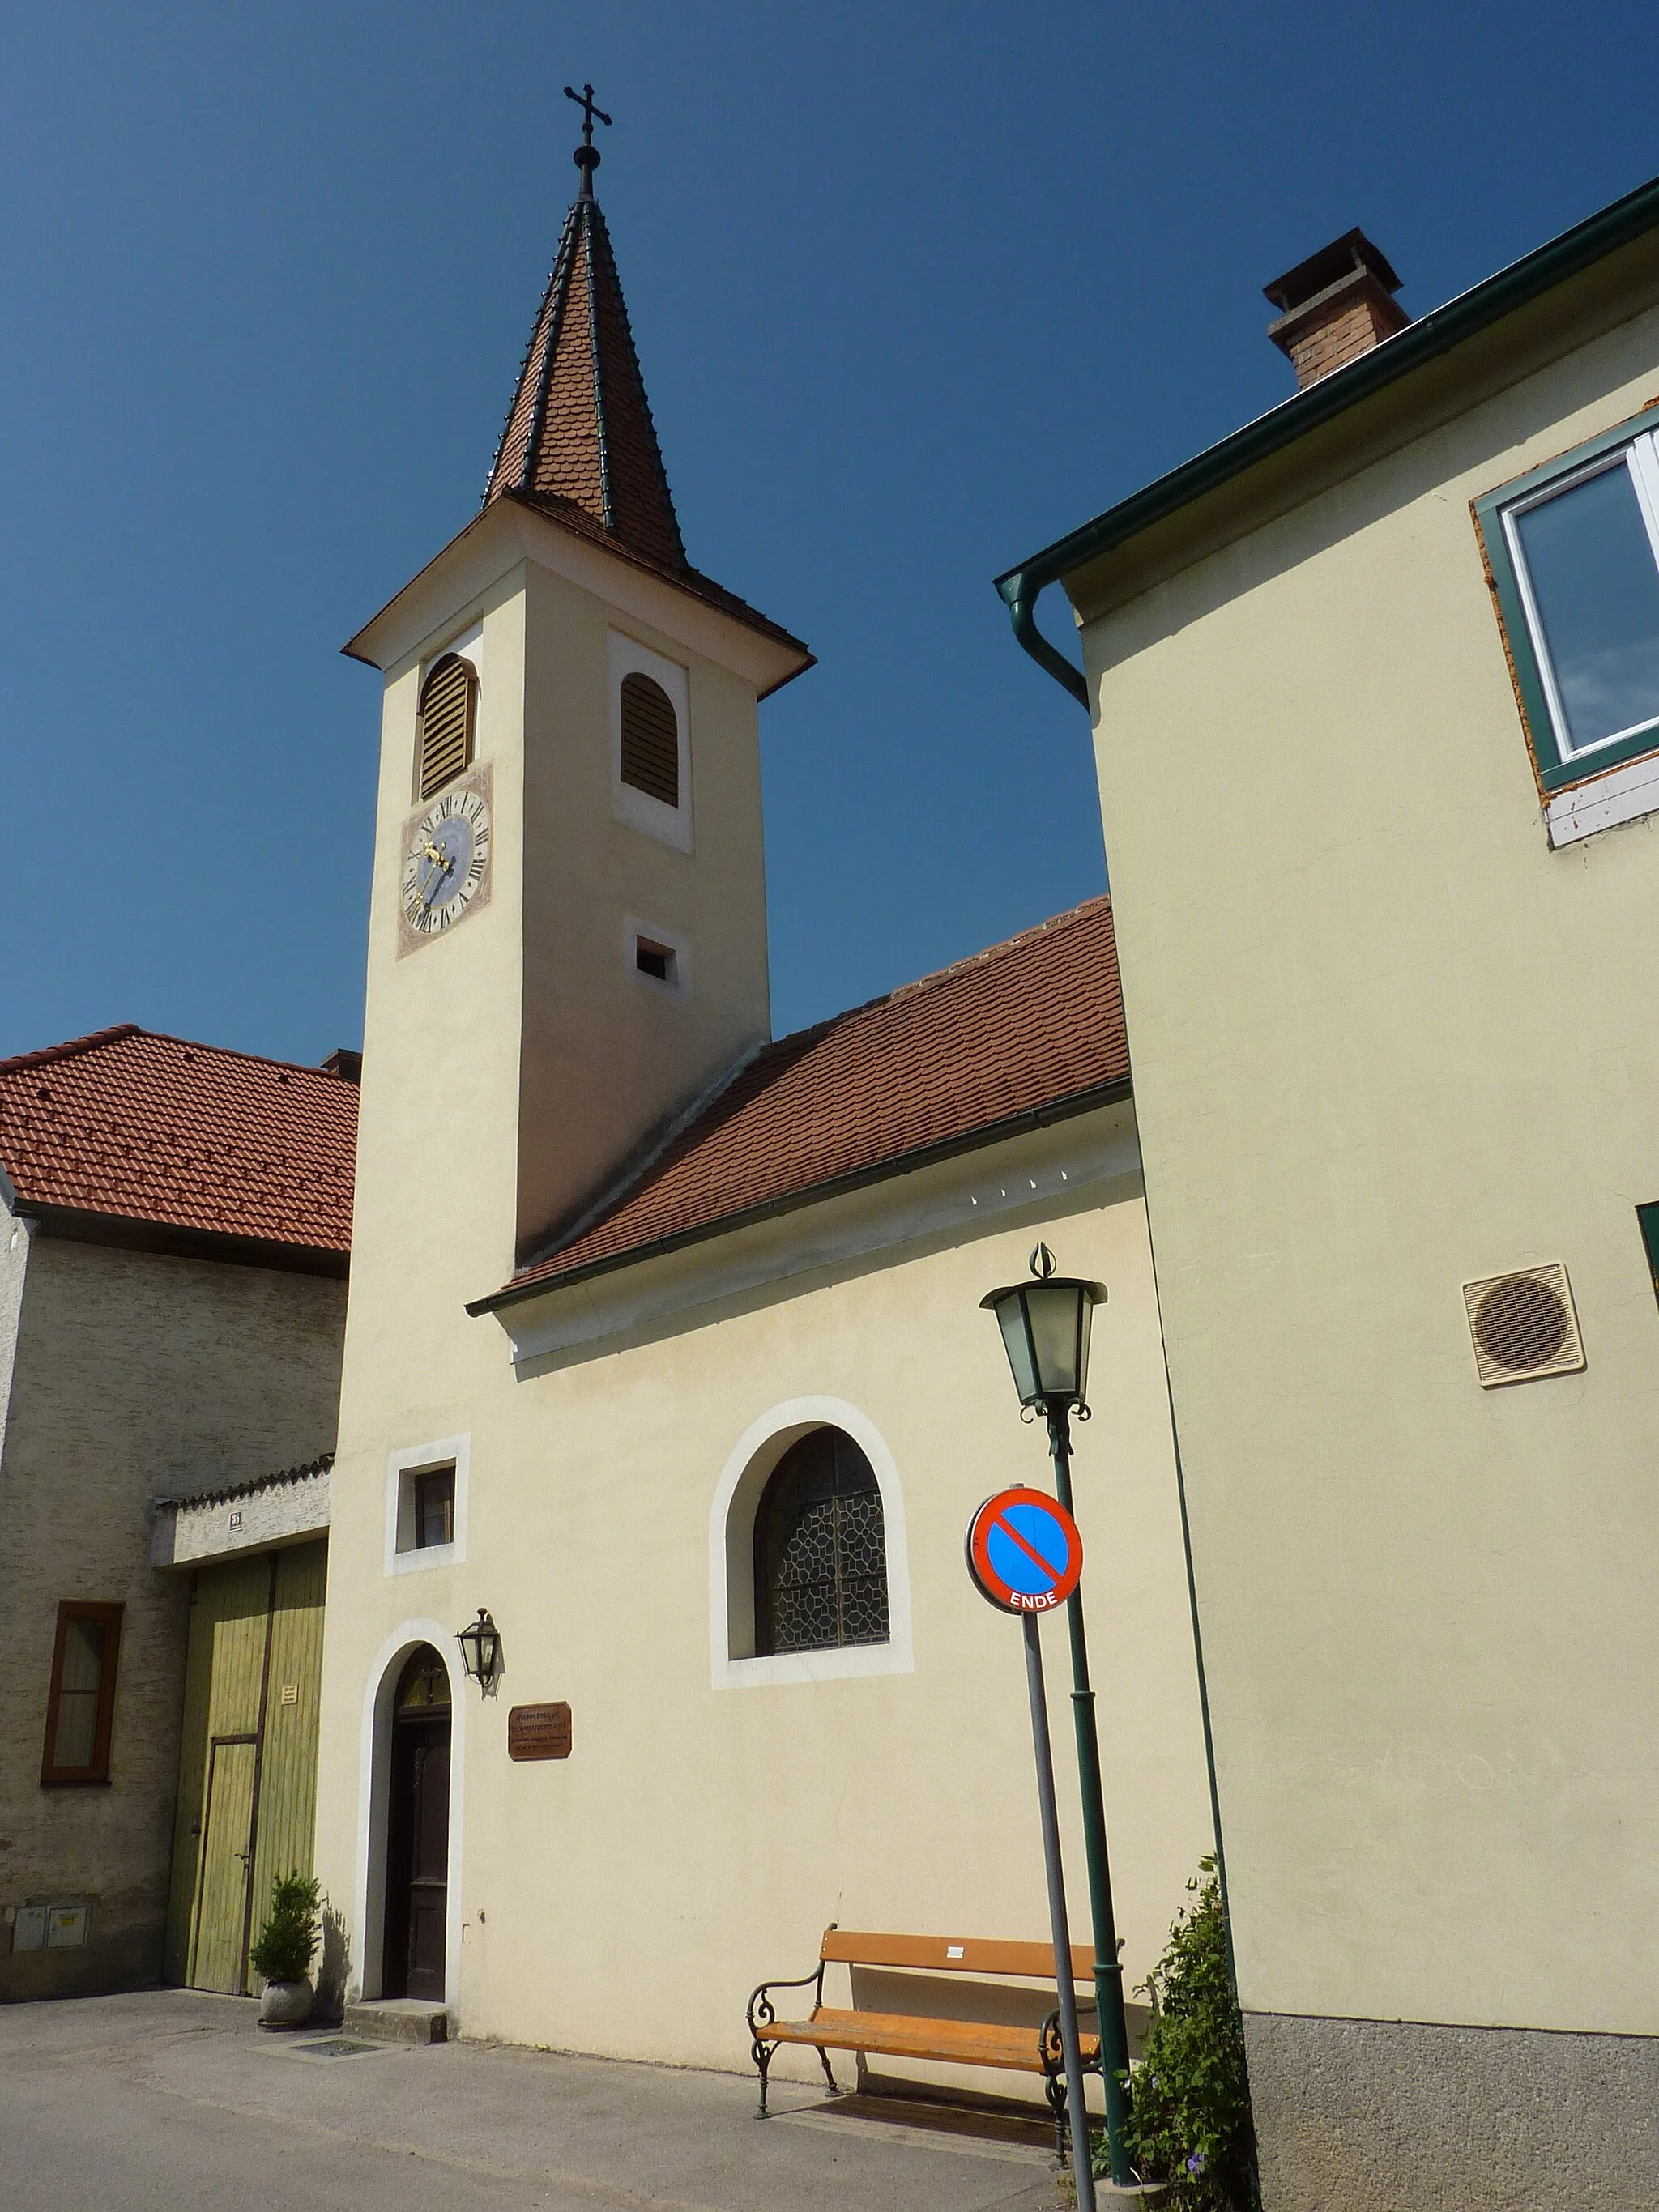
417	1831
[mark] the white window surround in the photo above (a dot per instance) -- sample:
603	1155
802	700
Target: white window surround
1622	795
670	825
468	645
403	1557
373	1788
1639	458
733	1662
678	985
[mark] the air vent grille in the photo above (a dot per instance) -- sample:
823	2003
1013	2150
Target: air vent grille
1523	1325
650	740
446	723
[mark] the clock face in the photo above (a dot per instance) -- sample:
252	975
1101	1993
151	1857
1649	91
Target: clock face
446	861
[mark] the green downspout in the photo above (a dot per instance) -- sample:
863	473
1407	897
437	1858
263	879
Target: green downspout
1021	590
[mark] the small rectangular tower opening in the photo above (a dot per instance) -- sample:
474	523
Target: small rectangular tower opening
657	961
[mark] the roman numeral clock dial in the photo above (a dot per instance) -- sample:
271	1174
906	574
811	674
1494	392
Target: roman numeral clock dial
446	862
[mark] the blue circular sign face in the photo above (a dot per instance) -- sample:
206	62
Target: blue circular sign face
1024	1551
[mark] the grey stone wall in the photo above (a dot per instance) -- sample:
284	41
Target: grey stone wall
134	1376
1404	2116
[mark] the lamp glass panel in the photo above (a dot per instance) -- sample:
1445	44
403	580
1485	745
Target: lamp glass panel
1054	1310
1010	1320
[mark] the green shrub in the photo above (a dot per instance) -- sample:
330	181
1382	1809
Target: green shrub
288	1942
1190	2121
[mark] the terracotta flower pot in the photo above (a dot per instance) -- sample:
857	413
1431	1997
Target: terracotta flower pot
286	2004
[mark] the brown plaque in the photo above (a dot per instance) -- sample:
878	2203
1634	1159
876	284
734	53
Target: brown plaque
539	1731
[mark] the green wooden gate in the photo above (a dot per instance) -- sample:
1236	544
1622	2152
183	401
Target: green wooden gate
248	1761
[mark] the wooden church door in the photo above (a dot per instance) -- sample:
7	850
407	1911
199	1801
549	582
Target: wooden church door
418	1835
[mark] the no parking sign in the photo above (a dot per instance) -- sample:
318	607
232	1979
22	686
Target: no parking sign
1024	1551
1026	1556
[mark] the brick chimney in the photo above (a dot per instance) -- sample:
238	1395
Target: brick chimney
1334	306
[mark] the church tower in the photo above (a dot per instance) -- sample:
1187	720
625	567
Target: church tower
567	934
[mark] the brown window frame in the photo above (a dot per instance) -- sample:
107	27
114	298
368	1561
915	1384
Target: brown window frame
445	1473
51	1775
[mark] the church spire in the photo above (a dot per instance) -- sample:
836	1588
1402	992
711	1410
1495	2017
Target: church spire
578	432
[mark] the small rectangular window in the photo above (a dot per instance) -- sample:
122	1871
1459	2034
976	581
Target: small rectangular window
1574	550
434	1508
81	1701
656	960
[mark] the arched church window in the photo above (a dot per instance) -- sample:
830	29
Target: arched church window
650	739
447	701
820	1550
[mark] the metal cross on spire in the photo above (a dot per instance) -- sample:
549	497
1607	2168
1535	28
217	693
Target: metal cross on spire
587	156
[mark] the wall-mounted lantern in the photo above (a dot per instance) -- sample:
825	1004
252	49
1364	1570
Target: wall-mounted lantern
481	1650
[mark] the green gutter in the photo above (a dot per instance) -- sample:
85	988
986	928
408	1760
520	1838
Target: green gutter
1420	342
922	1155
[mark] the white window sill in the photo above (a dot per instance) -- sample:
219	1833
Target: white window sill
426	1555
847	1662
1624	794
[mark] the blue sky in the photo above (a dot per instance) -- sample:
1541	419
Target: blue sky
915	288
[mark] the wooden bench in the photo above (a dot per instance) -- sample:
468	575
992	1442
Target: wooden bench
909	2035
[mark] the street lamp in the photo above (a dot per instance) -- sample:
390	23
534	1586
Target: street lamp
481	1650
1045	1333
1045	1326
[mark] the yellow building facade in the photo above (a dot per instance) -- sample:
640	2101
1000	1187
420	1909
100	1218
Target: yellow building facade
1387	922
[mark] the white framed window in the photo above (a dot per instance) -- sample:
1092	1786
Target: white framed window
1575	555
426	1501
776	1539
650	742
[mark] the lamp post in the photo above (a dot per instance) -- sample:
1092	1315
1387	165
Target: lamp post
1045	1332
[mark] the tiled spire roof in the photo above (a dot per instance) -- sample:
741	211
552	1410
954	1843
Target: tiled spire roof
578	432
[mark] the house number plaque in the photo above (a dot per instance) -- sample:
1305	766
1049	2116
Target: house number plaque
539	1731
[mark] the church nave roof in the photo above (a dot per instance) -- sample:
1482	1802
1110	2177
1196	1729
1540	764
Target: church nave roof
1028	1029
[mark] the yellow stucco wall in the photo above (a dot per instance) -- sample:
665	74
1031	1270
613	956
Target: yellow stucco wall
1386	1042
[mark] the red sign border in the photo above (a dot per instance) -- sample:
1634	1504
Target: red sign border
989	1584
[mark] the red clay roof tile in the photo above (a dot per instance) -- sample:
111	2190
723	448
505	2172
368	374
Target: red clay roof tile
1017	1028
149	1128
579	442
579	427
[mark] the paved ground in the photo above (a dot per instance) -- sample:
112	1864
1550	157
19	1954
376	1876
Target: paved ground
170	2099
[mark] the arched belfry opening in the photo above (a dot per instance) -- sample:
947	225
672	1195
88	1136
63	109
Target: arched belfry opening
413	1960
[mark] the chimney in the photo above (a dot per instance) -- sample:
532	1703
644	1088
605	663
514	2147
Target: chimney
1334	306
346	1064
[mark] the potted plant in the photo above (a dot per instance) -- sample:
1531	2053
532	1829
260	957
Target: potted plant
286	1947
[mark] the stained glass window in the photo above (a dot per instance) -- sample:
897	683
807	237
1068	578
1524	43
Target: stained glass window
820	1550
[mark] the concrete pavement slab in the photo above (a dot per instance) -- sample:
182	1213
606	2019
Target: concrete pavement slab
173	2099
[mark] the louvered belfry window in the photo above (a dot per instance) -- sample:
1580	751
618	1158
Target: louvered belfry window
447	705
650	740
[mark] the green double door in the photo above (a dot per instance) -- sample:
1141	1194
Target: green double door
247	1764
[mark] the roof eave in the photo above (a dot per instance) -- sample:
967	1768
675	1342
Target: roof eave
787	659
897	1164
1396	357
178	1240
